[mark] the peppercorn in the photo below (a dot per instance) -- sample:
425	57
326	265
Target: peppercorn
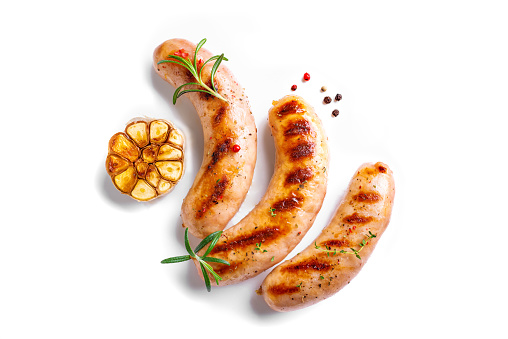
338	97
236	148
293	88
327	100
335	113
306	76
323	89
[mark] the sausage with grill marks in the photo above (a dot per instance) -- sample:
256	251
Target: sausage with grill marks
224	178
293	198
321	270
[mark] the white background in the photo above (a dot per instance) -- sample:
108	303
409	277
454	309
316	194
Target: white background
424	88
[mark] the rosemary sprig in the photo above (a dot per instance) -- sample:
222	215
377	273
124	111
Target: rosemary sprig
362	244
212	239
193	68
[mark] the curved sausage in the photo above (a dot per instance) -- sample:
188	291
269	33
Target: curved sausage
342	248
293	198
224	178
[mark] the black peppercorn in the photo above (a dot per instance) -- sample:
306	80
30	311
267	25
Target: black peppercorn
335	113
327	100
338	97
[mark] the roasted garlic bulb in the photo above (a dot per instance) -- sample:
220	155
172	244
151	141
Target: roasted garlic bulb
146	161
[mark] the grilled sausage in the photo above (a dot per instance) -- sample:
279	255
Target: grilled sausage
293	198
225	176
341	250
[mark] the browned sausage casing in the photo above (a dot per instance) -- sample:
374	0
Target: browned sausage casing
314	275
224	178
292	200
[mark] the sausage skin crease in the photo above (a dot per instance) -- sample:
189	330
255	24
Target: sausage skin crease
224	178
294	196
314	274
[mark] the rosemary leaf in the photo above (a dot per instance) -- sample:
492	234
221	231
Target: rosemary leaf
179	92
210	269
171	62
188	91
211	59
213	243
187	245
206	278
176	259
214	70
217	260
205	241
198	47
186	63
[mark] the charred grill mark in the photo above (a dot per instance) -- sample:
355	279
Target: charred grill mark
302	150
335	243
221	150
355	218
311	264
299	127
283	289
225	269
288	204
291	107
218	190
299	175
367	197
262	235
219	116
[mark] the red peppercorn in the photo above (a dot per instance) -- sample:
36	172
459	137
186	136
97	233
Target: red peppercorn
306	76
293	88
182	53
236	148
